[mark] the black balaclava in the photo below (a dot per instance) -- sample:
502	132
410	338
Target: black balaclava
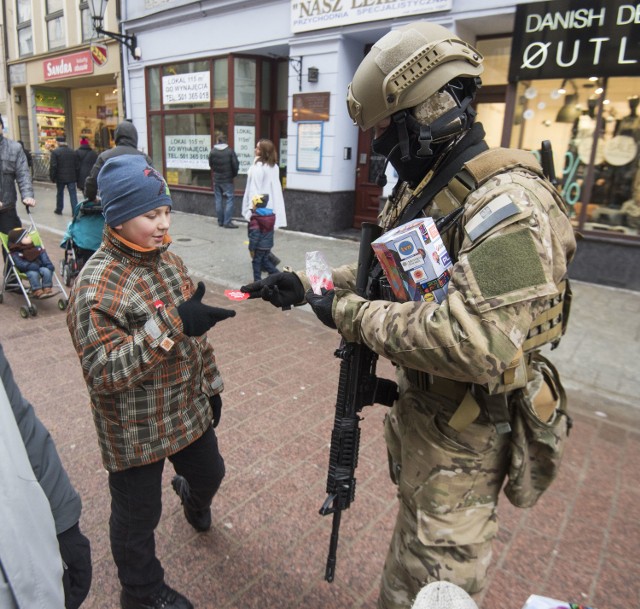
413	148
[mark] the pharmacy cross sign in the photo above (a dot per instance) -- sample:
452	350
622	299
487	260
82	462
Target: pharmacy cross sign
575	38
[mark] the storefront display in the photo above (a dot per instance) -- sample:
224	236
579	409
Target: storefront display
50	117
95	116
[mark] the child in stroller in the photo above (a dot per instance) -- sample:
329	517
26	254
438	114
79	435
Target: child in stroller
32	260
82	238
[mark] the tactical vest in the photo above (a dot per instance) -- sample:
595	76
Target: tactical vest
546	328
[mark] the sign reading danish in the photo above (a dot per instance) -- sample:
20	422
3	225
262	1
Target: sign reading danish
575	39
65	66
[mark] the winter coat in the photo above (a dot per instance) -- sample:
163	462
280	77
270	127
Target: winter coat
13	168
63	165
126	138
24	265
224	163
149	383
260	229
265	179
37	501
87	157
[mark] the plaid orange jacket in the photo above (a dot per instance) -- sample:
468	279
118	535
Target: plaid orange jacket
150	397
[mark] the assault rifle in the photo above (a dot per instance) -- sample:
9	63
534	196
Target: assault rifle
358	387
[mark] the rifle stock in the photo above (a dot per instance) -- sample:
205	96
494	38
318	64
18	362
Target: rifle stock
358	387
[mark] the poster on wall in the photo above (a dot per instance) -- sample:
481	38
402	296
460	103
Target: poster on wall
188	151
244	143
309	153
186	88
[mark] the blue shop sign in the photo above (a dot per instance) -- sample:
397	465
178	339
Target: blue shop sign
575	38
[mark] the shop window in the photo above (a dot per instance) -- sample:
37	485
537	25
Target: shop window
25	31
187	142
266	85
594	129
496	53
283	86
244	81
221	83
94	116
55	24
154	89
190	105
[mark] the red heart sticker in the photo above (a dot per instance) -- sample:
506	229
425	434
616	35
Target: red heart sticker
236	295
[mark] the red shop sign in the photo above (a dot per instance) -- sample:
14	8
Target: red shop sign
74	64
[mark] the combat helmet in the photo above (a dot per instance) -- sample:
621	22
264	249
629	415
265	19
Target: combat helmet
405	67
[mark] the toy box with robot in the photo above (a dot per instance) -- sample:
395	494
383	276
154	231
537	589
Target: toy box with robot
415	261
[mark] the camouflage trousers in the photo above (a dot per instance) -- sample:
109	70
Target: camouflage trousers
448	486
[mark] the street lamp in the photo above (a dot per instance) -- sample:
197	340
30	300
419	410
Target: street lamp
98	7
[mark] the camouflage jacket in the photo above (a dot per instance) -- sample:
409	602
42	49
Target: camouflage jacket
503	278
149	397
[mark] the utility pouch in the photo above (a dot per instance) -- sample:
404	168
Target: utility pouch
540	426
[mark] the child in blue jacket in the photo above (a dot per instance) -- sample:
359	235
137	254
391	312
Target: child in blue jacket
261	229
33	261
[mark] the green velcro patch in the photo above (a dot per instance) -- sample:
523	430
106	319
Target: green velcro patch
506	263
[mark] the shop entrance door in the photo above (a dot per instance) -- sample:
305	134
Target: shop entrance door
368	193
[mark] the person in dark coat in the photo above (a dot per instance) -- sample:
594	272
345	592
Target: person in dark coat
14	170
63	170
87	157
224	164
126	137
45	560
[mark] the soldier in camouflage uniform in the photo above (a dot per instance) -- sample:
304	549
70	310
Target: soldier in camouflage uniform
477	403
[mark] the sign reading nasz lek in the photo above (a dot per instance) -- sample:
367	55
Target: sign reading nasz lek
307	15
575	39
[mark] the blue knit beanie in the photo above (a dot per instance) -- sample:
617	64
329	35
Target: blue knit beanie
129	187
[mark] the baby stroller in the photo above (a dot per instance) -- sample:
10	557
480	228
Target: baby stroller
82	239
13	279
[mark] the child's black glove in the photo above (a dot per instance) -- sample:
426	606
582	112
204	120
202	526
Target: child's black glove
75	551
280	289
216	408
197	318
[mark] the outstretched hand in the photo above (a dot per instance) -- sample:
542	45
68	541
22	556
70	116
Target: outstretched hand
197	317
322	305
280	289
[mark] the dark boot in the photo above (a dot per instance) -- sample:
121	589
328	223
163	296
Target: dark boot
200	520
165	598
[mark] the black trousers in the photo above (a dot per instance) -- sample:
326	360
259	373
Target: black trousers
136	505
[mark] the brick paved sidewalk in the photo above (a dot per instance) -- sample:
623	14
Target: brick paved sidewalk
267	548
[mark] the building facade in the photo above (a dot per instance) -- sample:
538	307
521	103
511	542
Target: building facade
63	79
559	70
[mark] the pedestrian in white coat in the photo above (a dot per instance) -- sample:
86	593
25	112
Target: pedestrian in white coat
263	178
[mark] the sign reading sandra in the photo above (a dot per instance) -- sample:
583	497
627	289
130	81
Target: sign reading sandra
575	38
68	65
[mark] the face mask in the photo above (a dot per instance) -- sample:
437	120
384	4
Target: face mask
411	170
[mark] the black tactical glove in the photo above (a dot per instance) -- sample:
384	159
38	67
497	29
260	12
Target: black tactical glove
280	289
321	305
76	554
197	318
216	407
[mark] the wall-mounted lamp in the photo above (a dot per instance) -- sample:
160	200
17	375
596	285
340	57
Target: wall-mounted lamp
17	98
98	7
312	74
569	111
296	64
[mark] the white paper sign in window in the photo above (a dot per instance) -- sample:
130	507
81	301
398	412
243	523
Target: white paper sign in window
188	151
186	88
